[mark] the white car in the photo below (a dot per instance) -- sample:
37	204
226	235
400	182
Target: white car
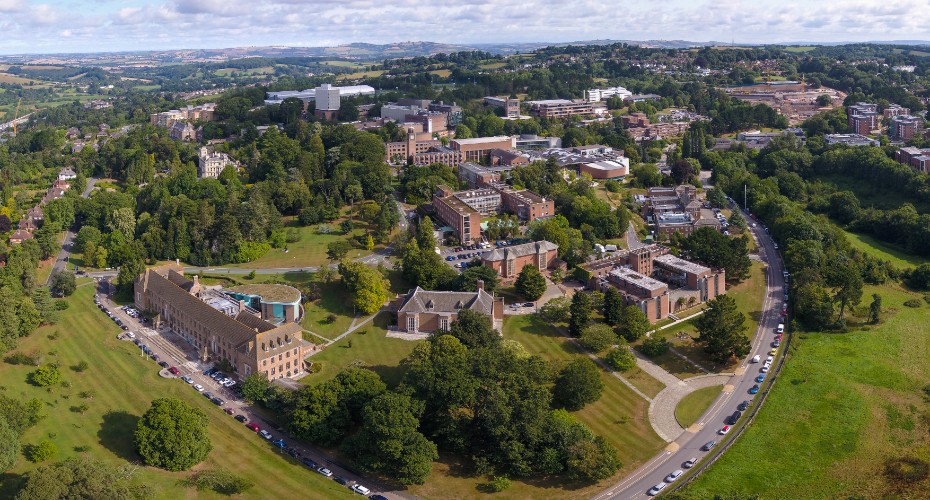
764	369
265	434
656	489
198	387
689	463
361	490
755	359
673	476
770	359
326	472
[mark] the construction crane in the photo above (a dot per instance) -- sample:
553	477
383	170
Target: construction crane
16	114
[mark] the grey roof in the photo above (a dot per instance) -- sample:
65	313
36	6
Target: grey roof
532	248
420	301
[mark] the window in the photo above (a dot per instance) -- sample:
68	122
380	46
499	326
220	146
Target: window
411	323
272	370
444	323
280	357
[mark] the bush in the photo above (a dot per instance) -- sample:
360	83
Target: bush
596	338
45	450
621	359
18	358
907	470
654	346
251	275
61	305
46	376
80	367
221	481
498	484
912	303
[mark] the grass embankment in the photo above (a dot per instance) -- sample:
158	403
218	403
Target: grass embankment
884	251
695	404
124	384
843	407
620	416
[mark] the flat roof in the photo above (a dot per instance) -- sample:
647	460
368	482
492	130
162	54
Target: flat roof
484	140
631	276
681	264
282	294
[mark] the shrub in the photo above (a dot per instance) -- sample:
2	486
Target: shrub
80	367
18	358
41	452
654	345
46	376
498	484
912	303
596	338
621	359
331	318
61	305
221	481
251	275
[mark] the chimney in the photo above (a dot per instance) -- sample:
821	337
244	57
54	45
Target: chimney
480	284
196	281
177	262
241	305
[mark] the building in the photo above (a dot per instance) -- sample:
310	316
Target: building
853	140
532	141
649	294
508	262
526	204
507	157
563	108
915	157
397	112
204	113
478	175
462	210
510	106
894	110
403	151
210	164
606	169
452	111
35	213
863	117
430	122
182	131
904	127
277	303
310	94
219	326
328	100
464	220
425	311
66	174
20	236
477	149
685	274
642	97
598	95
438	154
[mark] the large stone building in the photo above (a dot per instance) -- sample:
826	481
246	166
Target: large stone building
204	113
478	149
424	311
220	327
210	164
564	108
509	261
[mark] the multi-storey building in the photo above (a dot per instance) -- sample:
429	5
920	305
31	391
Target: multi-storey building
563	108
894	110
205	112
904	127
438	154
597	95
404	151
453	112
508	262
863	117
464	220
477	149
462	210
210	164
510	106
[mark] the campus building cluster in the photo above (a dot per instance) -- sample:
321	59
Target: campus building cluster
326	98
179	122
676	210
461	211
253	327
657	282
425	311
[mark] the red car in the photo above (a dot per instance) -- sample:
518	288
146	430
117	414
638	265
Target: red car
174	370
253	427
229	411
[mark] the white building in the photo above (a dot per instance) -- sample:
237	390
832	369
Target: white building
210	164
598	95
310	94
327	97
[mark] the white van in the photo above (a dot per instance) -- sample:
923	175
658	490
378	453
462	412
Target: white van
781	328
755	359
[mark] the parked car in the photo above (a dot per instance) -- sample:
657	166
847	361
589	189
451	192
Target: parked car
309	463
709	445
187	379
656	489
773	352
265	434
209	371
174	370
230	383
754	389
229	411
253	427
198	387
280	443
217	401
743	406
361	490
689	463
208	395
764	369
674	475
724	430
760	378
378	497
776	343
326	472
341	480
242	418
163	364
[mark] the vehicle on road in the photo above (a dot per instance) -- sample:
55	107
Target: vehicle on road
656	489
198	387
528	304
754	389
208	395
781	328
309	463
760	378
709	445
776	343
326	472
689	463
217	401
187	379
341	480
755	359
770	359
361	490
253	427
242	418
174	370
724	430
743	406
673	476
764	369
773	352
732	419
229	411
265	434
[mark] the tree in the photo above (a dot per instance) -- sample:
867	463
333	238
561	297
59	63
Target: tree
654	346
63	283
578	384
255	388
846	279
468	280
81	477
633	323
580	313
875	308
596	338
474	329
337	250
221	481
621	359
45	450
824	100
556	310
530	283
172	435
369	288
721	330
613	306
46	375
717	198
9	446
346	226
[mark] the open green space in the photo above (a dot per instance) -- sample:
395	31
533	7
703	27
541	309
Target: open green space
123	385
875	195
264	70
361	74
345	64
801	48
843	408
331	314
368	346
884	251
620	416
695	404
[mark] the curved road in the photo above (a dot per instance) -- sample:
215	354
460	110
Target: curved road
736	390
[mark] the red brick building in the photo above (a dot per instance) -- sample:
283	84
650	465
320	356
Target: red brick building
509	261
425	311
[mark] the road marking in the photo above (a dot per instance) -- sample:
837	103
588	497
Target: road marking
729	387
695	428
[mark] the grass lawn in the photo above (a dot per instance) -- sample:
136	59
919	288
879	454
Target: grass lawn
310	251
884	251
370	348
334	301
619	416
124	385
695	404
844	405
361	74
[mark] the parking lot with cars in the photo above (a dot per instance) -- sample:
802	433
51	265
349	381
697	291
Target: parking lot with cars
463	256
178	359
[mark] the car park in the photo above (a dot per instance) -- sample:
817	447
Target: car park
242	418
198	387
656	489
209	371
743	406
361	490
754	389
689	463
326	472
265	434
674	475
724	430
709	445
253	427
309	463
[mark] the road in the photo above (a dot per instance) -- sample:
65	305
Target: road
61	261
736	390
176	352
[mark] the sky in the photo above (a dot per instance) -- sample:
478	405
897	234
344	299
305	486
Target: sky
50	26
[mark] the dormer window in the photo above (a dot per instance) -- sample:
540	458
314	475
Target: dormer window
459	305
429	305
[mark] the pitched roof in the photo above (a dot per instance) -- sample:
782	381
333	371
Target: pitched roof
532	248
420	301
215	321
21	235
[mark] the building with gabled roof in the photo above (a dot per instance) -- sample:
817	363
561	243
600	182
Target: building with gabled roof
219	326
425	311
509	261
20	236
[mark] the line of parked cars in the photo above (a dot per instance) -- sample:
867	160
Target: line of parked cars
112	316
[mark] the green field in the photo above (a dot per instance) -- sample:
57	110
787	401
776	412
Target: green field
620	416
695	404
883	251
843	406
310	251
264	70
802	48
124	384
361	74
345	64
370	347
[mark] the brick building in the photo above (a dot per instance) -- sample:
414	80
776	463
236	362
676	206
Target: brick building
862	117
478	149
564	108
425	311
509	261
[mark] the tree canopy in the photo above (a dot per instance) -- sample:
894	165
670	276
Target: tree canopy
172	435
